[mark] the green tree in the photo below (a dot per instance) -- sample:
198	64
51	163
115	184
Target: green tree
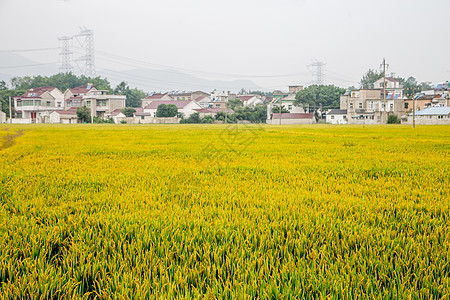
276	109
134	96
234	103
315	96
368	79
393	119
84	113
193	119
164	111
208	119
128	111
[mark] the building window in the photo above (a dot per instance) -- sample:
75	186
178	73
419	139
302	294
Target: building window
27	102
48	103
19	103
406	104
217	105
332	117
360	105
392	106
345	117
37	102
59	104
290	107
88	103
351	105
142	117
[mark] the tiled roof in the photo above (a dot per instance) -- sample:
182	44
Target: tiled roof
433	111
80	90
155	96
37	92
214	110
391	79
70	111
178	103
246	98
337	112
198	99
293	116
115	112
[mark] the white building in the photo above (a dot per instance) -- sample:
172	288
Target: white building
291	119
64	116
36	104
155	96
431	116
336	116
251	100
2	117
185	107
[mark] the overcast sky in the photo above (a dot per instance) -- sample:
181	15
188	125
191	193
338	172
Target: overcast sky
244	37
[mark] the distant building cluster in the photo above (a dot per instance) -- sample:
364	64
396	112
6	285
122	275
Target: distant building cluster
359	106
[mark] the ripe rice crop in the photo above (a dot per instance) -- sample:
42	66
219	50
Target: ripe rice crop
209	211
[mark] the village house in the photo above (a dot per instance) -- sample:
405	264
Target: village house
35	105
213	111
291	118
188	95
203	101
219	99
2	115
287	101
251	100
431	116
73	97
185	108
367	106
64	116
156	96
336	116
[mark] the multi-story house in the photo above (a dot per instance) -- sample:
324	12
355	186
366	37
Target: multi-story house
103	104
36	104
155	96
73	97
251	100
185	107
368	106
188	95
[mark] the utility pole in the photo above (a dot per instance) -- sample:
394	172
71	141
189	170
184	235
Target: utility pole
280	109
414	110
10	111
384	87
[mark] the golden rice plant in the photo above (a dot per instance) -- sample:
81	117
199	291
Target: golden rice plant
209	211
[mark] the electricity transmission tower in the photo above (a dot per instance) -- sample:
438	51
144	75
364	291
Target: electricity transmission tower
86	62
317	68
65	54
85	40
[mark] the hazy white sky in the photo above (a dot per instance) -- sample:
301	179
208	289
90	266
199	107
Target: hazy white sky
245	37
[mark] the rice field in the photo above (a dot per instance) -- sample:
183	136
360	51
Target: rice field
224	212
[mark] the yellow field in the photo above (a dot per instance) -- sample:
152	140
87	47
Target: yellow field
180	211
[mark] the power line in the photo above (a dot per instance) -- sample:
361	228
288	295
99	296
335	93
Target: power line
29	65
140	62
28	50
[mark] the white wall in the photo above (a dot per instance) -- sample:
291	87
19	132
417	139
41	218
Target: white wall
429	120
2	117
336	119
